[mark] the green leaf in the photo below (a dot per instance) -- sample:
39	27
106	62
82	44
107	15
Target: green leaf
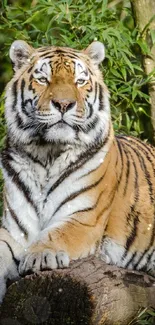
152	33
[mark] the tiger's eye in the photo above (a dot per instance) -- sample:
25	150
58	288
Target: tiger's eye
43	80
81	81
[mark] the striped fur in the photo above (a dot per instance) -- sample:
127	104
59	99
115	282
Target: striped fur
71	187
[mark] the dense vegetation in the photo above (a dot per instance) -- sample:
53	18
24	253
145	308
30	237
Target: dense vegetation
76	23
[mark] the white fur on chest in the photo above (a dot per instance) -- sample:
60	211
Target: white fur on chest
52	206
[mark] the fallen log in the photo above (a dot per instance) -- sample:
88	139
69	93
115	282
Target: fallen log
88	293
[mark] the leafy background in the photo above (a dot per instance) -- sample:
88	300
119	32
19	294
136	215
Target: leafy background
76	23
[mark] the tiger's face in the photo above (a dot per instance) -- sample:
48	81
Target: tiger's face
57	95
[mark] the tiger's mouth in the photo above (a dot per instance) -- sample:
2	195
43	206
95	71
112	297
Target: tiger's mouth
48	121
60	123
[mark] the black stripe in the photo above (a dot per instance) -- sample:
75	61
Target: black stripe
14	94
133	213
19	121
31	88
45	54
44	48
74	166
6	159
101	91
130	260
117	160
57	66
148	259
140	259
143	167
119	146
102	211
153	234
28	112
79	192
133	233
109	203
136	188
148	247
31	77
92	207
30	69
91	73
15	218
127	171
91	125
66	51
90	172
147	148
53	55
79	222
96	91
90	110
151	197
35	160
11	251
22	96
21	125
146	151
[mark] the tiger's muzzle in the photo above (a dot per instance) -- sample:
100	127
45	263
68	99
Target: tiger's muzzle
63	105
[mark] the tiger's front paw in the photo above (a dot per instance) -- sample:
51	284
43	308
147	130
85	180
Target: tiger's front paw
40	261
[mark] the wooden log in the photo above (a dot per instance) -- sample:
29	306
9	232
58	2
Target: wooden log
88	293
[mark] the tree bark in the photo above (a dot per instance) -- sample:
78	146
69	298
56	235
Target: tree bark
143	11
88	293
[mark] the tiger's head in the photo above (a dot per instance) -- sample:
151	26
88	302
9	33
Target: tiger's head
57	94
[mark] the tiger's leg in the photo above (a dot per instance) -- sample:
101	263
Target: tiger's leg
114	253
70	240
10	251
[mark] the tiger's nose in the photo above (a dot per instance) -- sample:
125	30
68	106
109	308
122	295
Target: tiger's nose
63	105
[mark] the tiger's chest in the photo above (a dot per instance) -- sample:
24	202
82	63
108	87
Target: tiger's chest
50	185
43	194
53	189
34	193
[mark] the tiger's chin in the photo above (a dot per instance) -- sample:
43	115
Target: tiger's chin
61	133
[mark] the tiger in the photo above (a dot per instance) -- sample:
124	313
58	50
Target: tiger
71	187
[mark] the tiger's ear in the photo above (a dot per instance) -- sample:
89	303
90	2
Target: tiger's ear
96	52
19	53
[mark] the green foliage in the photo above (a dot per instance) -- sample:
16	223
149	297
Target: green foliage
145	317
